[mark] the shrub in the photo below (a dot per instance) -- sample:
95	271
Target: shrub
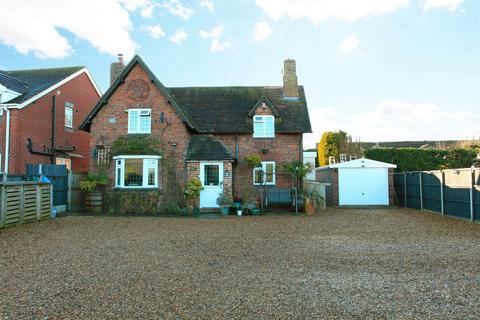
141	202
253	161
136	145
410	159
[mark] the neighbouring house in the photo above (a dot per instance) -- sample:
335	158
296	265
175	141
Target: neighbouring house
40	112
310	156
361	182
151	137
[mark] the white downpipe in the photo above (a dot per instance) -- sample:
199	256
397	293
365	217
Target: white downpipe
7	138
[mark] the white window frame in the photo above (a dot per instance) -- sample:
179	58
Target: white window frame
70	108
138	130
264	168
261	120
120	175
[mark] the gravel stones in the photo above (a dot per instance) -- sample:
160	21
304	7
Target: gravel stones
343	263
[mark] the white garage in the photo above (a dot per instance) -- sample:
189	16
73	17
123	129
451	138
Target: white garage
361	182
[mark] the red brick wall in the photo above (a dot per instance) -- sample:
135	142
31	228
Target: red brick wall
329	176
283	148
34	121
172	130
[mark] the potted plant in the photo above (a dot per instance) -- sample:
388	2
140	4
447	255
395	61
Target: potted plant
253	161
94	197
225	202
312	200
192	194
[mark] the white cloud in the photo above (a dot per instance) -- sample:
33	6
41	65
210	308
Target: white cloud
179	37
31	26
450	5
176	8
155	31
349	43
394	121
262	31
219	46
318	11
207	4
214	33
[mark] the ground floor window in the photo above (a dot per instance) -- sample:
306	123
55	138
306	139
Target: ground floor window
136	171
264	174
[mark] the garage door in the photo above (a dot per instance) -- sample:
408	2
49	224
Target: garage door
363	186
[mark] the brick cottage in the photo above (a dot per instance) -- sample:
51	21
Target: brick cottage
40	111
195	132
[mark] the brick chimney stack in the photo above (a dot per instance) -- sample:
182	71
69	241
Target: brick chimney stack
116	68
290	81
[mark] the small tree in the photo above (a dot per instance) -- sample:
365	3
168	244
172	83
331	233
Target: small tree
192	192
331	144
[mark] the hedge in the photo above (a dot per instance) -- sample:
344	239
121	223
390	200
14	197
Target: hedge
410	159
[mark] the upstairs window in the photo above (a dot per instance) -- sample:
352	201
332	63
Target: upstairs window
263	126
68	115
139	121
265	174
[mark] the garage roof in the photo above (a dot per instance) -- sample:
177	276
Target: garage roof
363	163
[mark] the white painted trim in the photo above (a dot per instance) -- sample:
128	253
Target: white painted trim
59	84
120	164
363	163
136	157
264	126
7	139
263	168
138	121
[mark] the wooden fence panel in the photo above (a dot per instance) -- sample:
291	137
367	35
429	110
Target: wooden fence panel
454	192
24	202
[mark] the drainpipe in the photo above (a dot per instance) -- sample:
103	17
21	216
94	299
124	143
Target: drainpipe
7	138
52	149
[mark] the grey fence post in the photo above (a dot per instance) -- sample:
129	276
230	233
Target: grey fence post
472	181
21	204
441	192
405	189
3	206
38	189
421	191
51	199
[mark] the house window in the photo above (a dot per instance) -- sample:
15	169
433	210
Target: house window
136	171
264	174
139	120
103	155
263	126
68	115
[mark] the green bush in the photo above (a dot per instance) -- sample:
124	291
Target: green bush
132	202
410	159
136	145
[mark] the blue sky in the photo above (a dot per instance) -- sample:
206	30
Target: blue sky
378	69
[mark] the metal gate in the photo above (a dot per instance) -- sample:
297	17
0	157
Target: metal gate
58	175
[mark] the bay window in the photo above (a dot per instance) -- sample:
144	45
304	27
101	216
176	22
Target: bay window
136	171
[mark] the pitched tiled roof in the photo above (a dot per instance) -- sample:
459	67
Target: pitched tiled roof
226	109
206	147
39	80
219	109
12	83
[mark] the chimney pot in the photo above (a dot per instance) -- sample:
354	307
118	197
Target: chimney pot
120	58
290	81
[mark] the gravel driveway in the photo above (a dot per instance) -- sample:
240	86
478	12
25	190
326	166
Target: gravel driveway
348	264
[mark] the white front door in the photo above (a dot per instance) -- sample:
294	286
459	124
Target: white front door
363	186
211	175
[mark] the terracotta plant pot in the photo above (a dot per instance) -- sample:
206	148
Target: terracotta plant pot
309	207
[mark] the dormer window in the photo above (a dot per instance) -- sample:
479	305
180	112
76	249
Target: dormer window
139	121
263	126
